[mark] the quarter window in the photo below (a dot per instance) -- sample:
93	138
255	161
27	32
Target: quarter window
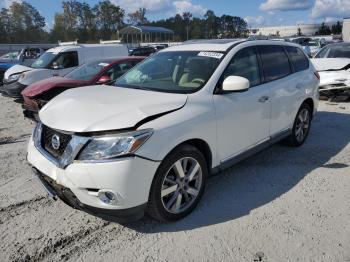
275	62
298	58
244	64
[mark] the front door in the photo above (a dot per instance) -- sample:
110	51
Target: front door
242	118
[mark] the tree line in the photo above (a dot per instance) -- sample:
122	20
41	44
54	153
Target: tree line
335	29
23	23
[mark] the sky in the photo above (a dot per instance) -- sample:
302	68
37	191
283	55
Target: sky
257	13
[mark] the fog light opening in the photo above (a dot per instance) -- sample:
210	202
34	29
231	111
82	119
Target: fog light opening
107	197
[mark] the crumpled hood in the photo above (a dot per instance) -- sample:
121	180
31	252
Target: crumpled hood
16	69
323	64
328	78
45	85
101	108
35	75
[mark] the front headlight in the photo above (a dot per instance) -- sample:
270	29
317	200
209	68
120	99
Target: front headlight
107	147
14	77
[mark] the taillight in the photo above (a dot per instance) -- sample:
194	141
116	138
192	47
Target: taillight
317	75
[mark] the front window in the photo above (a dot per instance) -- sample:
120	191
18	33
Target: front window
175	72
334	51
44	60
88	71
57	61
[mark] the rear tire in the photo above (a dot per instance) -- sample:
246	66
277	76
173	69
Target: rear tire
301	126
178	184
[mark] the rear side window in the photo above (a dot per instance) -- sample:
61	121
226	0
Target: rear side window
244	64
299	60
275	62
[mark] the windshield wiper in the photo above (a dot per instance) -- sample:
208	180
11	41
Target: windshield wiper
135	87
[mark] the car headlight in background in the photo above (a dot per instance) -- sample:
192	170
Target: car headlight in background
107	147
14	77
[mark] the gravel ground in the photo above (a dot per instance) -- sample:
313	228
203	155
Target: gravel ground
284	204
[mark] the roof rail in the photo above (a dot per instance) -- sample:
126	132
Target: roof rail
110	42
68	43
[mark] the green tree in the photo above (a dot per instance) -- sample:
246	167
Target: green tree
187	17
299	33
138	17
323	30
211	24
109	19
337	28
21	22
59	29
86	22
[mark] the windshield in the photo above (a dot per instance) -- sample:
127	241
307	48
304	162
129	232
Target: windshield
12	55
44	60
334	51
88	71
175	72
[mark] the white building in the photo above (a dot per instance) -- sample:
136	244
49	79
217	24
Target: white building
287	31
346	29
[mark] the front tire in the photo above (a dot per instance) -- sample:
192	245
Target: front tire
178	184
301	126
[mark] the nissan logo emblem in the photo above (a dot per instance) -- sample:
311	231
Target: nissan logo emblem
55	142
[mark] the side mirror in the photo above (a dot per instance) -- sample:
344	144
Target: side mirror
55	65
235	84
104	79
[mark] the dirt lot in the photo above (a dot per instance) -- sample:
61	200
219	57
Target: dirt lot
283	204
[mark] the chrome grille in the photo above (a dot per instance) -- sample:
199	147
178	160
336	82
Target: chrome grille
47	134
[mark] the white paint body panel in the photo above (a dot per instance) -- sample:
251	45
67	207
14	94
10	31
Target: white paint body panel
227	123
322	64
99	108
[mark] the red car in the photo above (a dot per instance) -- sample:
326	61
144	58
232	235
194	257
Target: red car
97	72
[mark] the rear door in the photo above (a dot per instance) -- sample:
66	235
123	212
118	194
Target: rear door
242	117
283	85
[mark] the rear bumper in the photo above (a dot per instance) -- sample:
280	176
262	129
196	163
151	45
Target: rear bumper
13	89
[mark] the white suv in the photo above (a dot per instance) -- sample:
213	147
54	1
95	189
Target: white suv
150	142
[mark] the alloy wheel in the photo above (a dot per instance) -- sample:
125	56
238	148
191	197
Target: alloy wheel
181	185
302	125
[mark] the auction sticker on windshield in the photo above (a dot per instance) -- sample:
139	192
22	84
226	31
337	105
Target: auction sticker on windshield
211	54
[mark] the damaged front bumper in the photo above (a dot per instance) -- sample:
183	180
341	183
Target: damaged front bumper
335	85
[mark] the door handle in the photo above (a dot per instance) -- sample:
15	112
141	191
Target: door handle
263	99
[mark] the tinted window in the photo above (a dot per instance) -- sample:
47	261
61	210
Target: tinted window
244	64
275	62
298	58
335	51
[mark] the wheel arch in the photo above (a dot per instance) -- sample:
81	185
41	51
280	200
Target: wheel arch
202	146
310	102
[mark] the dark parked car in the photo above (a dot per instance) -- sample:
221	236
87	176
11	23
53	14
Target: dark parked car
143	51
97	72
